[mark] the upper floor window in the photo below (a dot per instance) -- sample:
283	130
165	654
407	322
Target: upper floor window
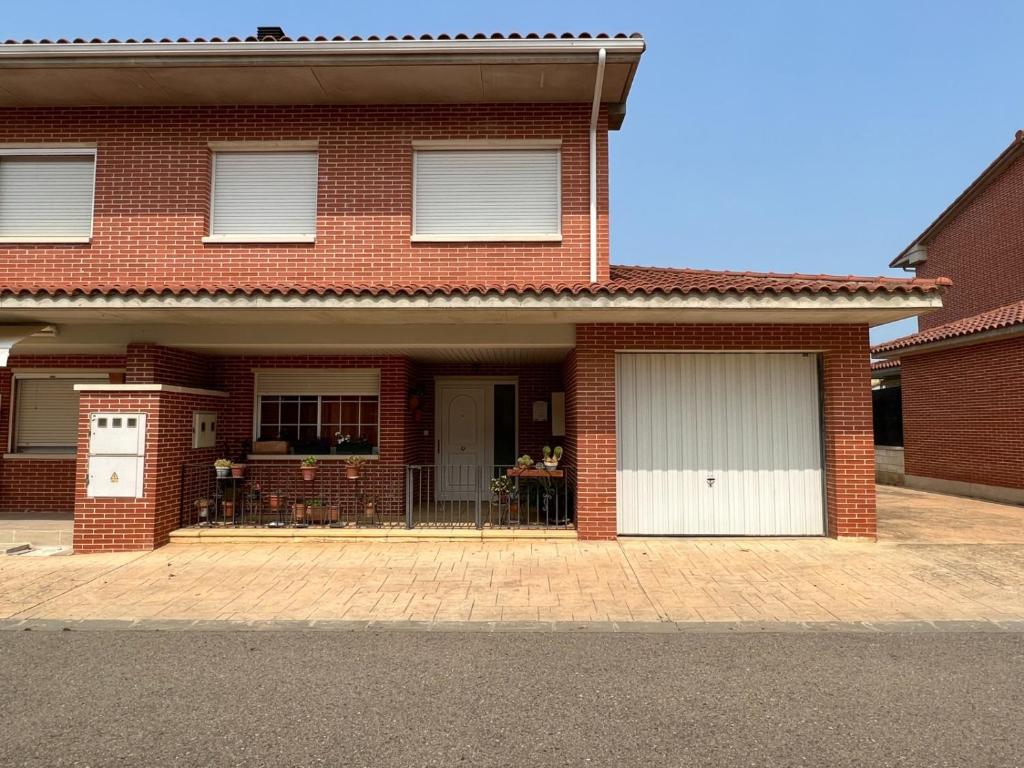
480	192
263	196
46	195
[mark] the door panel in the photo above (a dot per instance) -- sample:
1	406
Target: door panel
719	444
463	435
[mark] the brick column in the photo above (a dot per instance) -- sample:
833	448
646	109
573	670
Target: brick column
129	524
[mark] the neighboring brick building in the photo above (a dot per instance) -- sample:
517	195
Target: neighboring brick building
398	250
962	373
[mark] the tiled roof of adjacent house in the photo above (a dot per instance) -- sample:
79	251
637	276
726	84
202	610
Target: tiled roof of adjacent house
1003	317
341	39
626	280
885	365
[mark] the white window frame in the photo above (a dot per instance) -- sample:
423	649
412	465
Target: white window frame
485	144
256	411
28	150
234	147
101	376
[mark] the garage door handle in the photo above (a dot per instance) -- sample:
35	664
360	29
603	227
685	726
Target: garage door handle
711	482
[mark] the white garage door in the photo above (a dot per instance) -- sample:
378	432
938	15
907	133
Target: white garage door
719	444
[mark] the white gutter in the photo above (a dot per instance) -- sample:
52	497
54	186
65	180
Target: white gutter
595	112
335	47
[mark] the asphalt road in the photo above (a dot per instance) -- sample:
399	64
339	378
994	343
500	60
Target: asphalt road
506	699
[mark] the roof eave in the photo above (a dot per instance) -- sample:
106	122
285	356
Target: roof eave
976	187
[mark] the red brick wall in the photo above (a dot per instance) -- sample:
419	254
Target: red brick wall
153	364
963	413
849	450
982	249
115	524
153	192
41	485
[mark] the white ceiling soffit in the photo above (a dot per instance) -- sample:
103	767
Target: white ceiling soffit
342	72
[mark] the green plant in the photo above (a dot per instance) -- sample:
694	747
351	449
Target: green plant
558	453
524	461
222	463
502	485
355	461
310	461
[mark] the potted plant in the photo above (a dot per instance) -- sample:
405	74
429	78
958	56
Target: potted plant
309	466
354	467
333	513
202	508
237	469
341	441
315	511
551	458
275	501
223	468
524	462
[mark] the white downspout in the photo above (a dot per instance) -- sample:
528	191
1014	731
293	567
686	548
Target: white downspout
595	112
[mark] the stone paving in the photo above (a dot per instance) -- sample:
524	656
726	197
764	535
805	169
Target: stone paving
910	575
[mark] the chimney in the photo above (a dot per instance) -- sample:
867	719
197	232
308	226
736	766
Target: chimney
269	33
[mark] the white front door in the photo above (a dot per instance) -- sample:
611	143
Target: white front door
463	439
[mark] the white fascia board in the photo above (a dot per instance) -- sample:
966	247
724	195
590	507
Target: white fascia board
541	301
275	49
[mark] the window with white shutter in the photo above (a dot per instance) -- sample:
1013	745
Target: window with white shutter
46	413
46	195
320	410
487	194
263	196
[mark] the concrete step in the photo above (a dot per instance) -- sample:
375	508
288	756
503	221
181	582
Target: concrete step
281	535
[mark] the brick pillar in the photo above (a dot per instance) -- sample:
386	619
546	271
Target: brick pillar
849	435
591	404
129	524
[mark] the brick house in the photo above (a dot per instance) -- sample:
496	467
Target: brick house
962	373
398	250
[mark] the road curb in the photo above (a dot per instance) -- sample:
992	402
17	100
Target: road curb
592	627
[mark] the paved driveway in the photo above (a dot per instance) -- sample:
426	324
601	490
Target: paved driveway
907	576
916	517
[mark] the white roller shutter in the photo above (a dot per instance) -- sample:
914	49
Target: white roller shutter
352	381
719	444
47	195
500	192
46	416
264	193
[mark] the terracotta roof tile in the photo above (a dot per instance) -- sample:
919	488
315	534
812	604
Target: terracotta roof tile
628	280
341	39
884	365
1003	317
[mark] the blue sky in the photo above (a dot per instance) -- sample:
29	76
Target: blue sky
784	136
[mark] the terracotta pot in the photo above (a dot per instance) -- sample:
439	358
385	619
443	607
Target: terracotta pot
229	510
275	502
298	512
332	513
238	470
308	473
352	473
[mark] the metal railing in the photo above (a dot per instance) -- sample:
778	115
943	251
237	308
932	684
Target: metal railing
501	496
275	495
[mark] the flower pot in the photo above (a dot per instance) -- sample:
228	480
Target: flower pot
550	464
308	473
298	513
332	513
352	473
275	502
222	472
238	470
229	510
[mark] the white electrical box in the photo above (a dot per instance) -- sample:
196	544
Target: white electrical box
204	429
117	454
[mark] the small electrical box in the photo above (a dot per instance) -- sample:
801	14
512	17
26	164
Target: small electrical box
117	454
204	429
